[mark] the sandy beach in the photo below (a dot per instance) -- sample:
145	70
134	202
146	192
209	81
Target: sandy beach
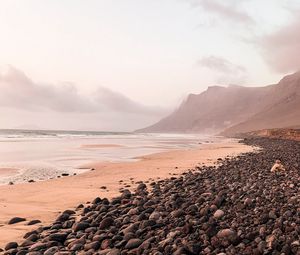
45	200
8	171
92	146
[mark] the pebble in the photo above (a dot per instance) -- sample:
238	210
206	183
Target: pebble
238	207
219	214
15	220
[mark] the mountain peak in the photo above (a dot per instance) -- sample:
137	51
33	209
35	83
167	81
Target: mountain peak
291	78
215	87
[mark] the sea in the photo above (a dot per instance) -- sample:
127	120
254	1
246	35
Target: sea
27	155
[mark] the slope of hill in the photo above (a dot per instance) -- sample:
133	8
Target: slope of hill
281	133
236	109
282	108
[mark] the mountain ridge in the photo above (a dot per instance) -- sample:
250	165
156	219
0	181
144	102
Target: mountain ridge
235	109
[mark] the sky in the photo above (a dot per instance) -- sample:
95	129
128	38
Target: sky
120	65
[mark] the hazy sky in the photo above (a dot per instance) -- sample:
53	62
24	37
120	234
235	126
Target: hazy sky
123	64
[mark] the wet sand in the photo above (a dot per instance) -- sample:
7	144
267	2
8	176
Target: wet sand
97	146
8	171
45	200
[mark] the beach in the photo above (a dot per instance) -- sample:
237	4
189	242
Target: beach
45	200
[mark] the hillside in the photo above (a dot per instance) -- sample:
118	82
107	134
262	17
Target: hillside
236	109
282	108
282	133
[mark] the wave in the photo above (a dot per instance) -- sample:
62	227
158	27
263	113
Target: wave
39	134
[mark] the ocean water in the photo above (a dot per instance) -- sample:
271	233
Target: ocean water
44	154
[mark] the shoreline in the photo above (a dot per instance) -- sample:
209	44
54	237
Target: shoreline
46	199
8	171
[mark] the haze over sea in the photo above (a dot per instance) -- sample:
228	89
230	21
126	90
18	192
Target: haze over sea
43	154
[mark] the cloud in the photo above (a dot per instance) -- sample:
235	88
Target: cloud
225	71
24	102
121	103
220	64
229	11
18	91
281	49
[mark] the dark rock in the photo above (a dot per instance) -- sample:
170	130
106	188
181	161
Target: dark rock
33	222
133	243
11	245
51	251
38	246
16	220
59	237
63	217
106	223
93	245
80	226
238	207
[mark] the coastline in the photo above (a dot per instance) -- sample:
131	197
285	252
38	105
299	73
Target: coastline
45	200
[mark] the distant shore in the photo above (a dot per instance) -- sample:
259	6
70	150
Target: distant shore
45	200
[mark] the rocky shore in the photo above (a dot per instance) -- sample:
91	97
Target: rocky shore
280	133
238	207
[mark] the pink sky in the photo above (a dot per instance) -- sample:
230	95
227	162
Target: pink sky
123	64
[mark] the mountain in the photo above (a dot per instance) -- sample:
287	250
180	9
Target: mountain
282	108
236	109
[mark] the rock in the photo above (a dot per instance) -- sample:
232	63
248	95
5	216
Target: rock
11	245
272	215
106	223
219	214
155	216
22	252
80	226
93	245
79	206
105	244
33	222
177	213
58	237
38	246
133	243
28	242
63	217
227	234
248	202
97	200
141	186
114	252
238	207
51	251
16	220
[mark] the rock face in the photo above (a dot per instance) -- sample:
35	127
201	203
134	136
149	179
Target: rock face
236	109
239	207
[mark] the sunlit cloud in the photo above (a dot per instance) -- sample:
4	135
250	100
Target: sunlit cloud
228	10
24	102
281	48
225	71
19	91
